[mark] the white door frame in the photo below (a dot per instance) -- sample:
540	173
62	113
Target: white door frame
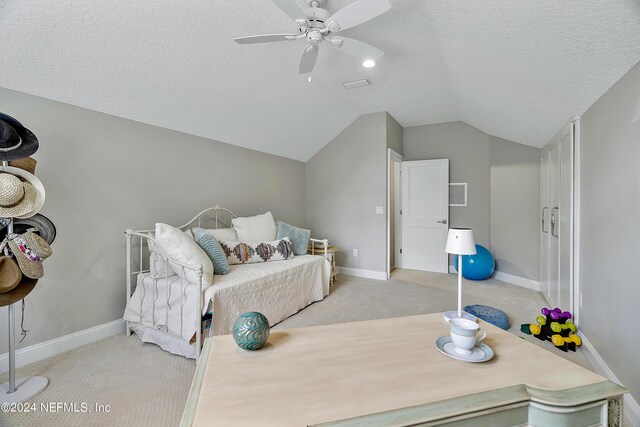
391	156
574	239
575	247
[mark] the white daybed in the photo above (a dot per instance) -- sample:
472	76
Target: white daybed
168	310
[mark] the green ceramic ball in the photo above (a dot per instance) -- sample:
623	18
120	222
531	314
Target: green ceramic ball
251	330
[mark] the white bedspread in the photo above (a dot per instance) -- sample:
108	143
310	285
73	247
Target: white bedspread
276	289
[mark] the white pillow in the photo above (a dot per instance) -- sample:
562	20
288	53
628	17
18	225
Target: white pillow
259	228
179	246
157	263
226	234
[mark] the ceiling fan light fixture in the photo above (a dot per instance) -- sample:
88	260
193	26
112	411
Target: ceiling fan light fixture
368	63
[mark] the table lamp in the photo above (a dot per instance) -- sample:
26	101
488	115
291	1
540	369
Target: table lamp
460	242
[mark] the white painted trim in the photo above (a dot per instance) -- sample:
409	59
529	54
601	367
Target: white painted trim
391	156
509	278
631	407
43	350
367	274
523	282
576	221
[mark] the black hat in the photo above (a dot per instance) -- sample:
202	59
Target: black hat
43	225
16	141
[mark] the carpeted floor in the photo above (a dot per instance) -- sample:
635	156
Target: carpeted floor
145	386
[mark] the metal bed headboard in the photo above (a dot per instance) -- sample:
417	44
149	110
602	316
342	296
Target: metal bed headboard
202	220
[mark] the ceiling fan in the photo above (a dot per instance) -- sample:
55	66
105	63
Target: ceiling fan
316	25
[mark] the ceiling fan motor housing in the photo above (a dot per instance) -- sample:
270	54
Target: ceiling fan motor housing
315	37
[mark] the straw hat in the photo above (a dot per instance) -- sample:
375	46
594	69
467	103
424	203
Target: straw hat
28	164
10	274
26	178
16	141
16	197
30	251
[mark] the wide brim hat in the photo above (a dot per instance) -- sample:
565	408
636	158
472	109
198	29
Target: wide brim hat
30	251
21	143
43	225
28	164
10	274
37	186
17	196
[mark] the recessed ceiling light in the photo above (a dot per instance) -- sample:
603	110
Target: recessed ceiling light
369	63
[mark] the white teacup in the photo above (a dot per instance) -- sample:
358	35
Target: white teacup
464	334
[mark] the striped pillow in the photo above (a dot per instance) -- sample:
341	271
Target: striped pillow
214	251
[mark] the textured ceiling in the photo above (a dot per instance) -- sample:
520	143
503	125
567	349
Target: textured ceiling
515	69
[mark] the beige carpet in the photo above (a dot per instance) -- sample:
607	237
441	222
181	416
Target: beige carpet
146	386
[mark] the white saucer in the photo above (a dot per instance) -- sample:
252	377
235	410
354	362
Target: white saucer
480	353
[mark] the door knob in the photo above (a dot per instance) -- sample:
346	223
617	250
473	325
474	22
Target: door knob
442	221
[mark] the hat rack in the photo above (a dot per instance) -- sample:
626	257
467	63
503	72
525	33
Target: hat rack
21	389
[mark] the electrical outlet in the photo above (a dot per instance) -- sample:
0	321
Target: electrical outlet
355	252
580	299
379	210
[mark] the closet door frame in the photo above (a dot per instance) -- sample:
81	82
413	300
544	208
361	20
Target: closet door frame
574	220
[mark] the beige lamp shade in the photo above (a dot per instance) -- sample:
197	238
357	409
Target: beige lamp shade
460	241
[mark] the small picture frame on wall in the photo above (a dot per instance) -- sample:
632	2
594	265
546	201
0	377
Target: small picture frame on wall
458	194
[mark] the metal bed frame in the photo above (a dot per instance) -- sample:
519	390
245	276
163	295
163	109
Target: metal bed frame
146	236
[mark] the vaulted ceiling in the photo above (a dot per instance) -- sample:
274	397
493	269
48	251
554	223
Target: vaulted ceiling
517	69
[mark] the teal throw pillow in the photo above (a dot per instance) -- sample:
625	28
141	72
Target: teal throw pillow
299	237
210	245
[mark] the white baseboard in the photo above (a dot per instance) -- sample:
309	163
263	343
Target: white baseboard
631	407
43	350
510	278
534	285
367	274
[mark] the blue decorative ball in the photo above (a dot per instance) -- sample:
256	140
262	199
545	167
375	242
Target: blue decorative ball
479	266
251	330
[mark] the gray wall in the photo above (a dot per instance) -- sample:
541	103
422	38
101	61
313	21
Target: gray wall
515	202
395	134
344	183
468	151
503	184
610	228
104	174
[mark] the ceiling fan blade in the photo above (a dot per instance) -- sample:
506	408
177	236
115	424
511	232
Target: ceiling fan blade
308	59
293	9
264	38
357	13
356	48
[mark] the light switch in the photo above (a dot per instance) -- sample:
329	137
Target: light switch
380	210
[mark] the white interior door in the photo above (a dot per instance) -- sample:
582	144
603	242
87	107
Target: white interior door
425	214
553	294
545	225
565	198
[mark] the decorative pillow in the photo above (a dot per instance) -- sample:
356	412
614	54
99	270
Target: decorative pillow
245	253
299	237
210	245
178	246
228	234
259	228
157	263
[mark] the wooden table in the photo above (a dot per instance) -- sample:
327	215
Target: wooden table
331	256
389	372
